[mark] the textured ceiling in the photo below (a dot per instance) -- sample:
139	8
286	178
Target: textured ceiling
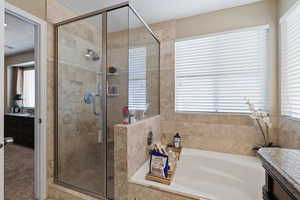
19	35
154	11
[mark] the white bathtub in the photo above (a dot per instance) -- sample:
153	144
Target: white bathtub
211	175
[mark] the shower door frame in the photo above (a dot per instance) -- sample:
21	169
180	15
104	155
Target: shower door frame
104	13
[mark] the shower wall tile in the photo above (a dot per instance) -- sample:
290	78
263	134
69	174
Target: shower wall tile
77	75
131	151
61	193
120	163
50	104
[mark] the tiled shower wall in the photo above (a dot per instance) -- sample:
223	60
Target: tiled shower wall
78	125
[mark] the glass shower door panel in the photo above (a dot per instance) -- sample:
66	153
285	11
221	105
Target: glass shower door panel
81	149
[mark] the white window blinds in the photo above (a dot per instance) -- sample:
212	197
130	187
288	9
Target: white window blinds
216	73
137	91
290	66
29	88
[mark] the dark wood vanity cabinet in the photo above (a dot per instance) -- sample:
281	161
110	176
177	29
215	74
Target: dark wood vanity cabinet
281	172
275	189
21	129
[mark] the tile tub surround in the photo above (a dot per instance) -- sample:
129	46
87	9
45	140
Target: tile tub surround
139	192
285	165
209	175
289	134
131	151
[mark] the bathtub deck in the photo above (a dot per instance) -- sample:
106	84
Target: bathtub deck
211	175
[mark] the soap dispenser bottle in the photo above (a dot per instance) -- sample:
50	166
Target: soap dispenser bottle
177	141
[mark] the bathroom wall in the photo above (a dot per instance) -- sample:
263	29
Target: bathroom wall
35	7
284	5
216	132
289	130
131	151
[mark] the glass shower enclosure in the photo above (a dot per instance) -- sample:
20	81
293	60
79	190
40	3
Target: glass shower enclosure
107	73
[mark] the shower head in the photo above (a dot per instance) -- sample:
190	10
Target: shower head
91	55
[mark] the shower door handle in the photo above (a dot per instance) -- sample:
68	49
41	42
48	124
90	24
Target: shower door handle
95	104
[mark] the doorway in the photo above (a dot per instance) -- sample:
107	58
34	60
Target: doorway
23	77
19	107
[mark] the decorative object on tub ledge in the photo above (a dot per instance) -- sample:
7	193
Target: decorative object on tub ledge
177	141
263	124
163	164
159	163
125	115
139	114
112	70
150	138
131	117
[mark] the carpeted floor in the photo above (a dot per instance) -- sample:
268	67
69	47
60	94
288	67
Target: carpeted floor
19	173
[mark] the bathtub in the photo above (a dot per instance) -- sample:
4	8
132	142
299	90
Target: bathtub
212	176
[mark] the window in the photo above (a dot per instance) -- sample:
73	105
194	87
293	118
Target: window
216	73
137	91
290	64
29	88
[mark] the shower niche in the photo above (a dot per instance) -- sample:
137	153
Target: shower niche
107	73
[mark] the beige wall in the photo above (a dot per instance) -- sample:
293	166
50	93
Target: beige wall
284	5
35	7
216	132
289	130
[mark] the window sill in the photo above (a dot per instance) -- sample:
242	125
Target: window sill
290	118
213	113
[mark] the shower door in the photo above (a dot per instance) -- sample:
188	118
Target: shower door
81	103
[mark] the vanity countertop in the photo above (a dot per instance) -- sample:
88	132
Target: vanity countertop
20	115
285	165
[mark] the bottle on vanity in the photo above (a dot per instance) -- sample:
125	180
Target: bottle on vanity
177	141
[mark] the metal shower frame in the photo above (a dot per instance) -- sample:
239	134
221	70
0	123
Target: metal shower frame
103	13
